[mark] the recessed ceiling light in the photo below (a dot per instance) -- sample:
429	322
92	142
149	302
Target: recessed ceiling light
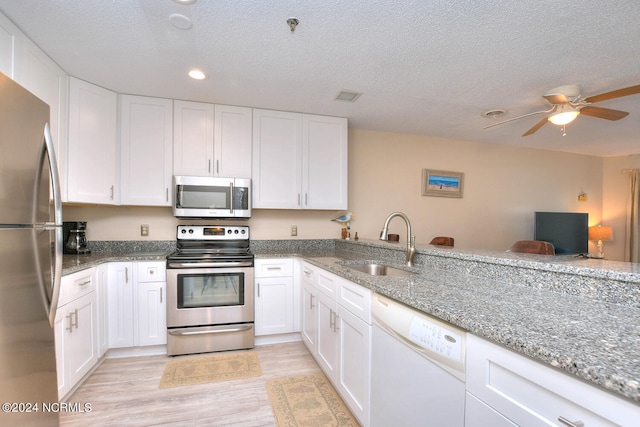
185	1
179	21
197	74
347	95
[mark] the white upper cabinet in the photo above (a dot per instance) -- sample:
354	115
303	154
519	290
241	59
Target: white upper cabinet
277	159
10	37
232	142
299	161
93	147
324	162
193	138
146	160
212	140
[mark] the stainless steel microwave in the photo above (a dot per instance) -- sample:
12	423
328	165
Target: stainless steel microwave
211	197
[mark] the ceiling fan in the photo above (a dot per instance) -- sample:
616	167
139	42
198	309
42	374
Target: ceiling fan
567	102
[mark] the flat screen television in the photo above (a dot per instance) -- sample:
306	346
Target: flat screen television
567	231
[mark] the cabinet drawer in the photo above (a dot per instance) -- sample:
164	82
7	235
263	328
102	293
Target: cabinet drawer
274	267
153	271
75	285
356	299
308	272
530	393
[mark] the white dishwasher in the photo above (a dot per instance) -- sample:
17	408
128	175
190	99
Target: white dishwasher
417	368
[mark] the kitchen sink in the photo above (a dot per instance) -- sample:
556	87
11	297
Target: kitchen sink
375	269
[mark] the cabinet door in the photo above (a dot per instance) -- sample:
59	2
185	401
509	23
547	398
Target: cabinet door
354	363
309	314
274	305
146	138
81	352
10	37
479	414
152	313
120	305
277	160
92	167
193	138
45	79
232	141
324	162
61	323
327	338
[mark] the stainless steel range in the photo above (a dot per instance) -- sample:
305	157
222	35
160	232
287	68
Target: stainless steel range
210	283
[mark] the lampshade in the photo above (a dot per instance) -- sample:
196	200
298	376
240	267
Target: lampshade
600	232
566	114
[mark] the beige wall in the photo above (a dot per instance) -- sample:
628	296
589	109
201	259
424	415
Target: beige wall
503	187
616	195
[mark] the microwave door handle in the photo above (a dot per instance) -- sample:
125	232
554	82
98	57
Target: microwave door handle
231	198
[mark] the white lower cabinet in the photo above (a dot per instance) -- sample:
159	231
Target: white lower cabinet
137	304
76	329
336	328
274	296
527	393
152	304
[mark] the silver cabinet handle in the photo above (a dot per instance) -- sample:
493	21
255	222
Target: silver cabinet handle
112	192
218	166
306	199
126	274
311	301
258	289
209	168
332	319
160	295
565	421
167	194
83	284
336	318
298	199
71	322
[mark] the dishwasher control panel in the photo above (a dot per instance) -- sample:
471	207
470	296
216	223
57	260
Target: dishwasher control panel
428	335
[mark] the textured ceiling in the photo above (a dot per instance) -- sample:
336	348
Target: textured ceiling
423	67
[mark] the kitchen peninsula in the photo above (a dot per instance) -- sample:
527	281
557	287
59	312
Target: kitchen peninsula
581	316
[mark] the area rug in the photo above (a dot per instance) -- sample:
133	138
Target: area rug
210	368
308	400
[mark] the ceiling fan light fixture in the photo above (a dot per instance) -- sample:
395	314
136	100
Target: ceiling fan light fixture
564	116
197	74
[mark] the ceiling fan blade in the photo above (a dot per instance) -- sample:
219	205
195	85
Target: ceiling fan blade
536	127
631	90
603	113
556	98
520	117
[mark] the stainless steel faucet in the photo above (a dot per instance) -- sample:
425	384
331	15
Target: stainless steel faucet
411	240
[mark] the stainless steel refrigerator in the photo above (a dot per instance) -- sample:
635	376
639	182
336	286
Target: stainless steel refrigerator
30	258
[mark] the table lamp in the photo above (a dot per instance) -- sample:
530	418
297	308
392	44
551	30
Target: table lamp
600	233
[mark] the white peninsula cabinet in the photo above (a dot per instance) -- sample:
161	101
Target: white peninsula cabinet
76	329
136	299
299	161
336	328
146	150
93	146
505	389
211	140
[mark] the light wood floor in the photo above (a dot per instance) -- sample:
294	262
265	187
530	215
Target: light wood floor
124	392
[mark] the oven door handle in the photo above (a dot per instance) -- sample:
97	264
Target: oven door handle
173	264
211	330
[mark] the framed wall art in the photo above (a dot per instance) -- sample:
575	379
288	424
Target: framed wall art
442	183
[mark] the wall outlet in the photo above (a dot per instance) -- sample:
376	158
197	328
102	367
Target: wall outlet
144	230
294	230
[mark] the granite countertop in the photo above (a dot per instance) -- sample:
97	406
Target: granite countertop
580	331
594	340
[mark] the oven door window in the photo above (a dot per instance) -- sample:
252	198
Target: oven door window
210	290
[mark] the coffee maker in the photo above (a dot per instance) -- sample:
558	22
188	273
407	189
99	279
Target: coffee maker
75	237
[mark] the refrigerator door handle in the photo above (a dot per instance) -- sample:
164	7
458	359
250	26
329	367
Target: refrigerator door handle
51	304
